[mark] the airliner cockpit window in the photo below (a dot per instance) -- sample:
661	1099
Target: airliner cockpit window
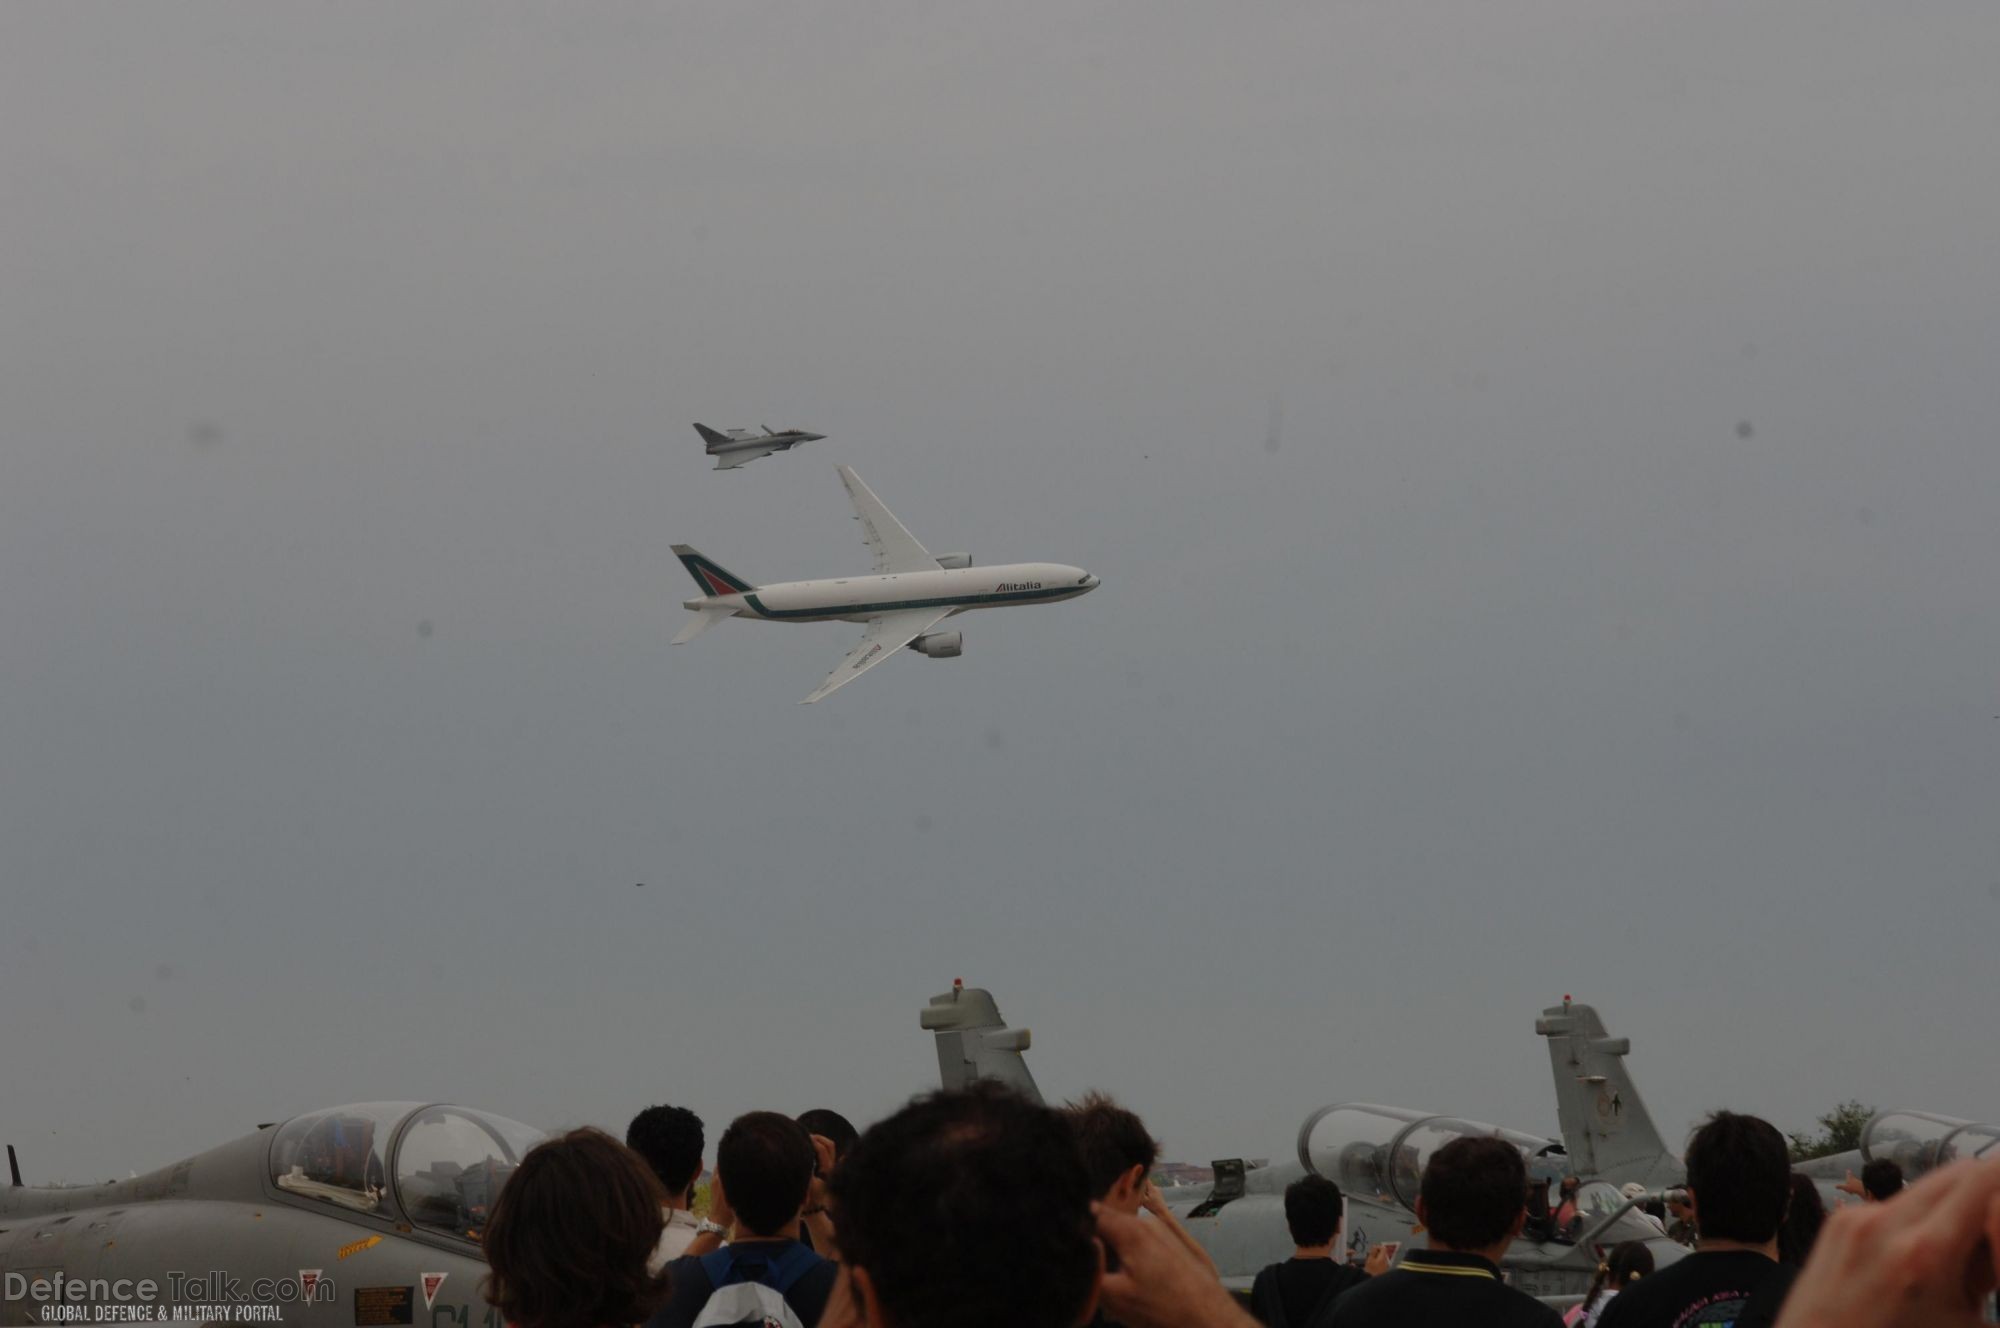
337	1156
451	1163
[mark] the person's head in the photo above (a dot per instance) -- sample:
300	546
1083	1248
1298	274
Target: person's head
832	1126
1117	1151
570	1237
968	1210
1739	1177
1678	1206
1628	1262
1881	1179
1570	1185
1312	1211
764	1164
1805	1213
1473	1194
669	1138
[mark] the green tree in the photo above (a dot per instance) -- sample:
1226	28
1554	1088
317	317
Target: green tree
1839	1132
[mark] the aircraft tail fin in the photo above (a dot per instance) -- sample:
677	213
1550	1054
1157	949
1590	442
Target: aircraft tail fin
711	437
703	620
711	576
13	1166
974	1042
1606	1128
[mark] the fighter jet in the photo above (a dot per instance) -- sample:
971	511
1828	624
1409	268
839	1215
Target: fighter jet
736	446
1377	1154
909	593
358	1215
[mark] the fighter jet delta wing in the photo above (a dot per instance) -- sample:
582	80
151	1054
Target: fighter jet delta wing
731	460
895	549
883	637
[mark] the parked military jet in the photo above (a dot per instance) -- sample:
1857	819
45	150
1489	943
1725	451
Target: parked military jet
734	447
361	1216
1377	1154
910	592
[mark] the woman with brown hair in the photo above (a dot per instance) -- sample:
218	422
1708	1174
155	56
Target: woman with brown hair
571	1236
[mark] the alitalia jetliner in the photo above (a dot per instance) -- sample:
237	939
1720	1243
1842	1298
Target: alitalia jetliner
910	592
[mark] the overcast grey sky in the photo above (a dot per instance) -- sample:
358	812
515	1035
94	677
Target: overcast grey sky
1541	458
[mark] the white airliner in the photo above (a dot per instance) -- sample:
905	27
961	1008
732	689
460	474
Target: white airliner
909	593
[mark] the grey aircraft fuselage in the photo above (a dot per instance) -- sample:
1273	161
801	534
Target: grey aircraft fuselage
732	448
323	1232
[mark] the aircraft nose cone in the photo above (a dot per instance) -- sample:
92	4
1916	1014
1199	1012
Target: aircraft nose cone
1091	582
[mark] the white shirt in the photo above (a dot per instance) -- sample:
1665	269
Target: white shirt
680	1233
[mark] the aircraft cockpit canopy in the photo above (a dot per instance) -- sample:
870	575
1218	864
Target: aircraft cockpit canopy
1381	1152
451	1163
1918	1141
448	1163
337	1155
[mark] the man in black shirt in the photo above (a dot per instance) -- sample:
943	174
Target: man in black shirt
1739	1180
1299	1293
1473	1201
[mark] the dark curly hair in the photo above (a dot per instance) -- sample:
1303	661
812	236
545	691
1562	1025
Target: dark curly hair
670	1140
571	1236
970	1210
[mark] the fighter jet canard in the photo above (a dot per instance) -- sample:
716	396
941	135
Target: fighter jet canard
1376	1154
362	1216
909	592
733	447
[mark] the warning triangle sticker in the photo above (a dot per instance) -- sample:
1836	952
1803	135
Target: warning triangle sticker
432	1281
308	1279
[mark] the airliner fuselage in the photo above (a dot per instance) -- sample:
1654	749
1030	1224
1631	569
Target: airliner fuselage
860	598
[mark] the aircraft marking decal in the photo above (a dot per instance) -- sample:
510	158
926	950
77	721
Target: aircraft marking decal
356	1247
431	1283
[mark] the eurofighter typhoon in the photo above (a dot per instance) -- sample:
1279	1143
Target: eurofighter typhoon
731	448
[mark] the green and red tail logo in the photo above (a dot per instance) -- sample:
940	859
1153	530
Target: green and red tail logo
711	576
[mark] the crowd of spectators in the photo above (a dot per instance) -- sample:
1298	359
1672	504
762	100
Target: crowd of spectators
982	1209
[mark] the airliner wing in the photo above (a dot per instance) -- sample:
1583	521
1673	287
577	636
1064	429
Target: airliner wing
883	637
895	549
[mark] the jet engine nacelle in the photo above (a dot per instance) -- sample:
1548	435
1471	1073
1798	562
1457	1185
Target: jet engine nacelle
940	645
950	561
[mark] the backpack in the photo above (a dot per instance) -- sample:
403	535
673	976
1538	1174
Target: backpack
749	1290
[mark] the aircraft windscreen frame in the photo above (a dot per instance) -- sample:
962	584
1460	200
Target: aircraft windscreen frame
338	1156
1380	1151
1919	1141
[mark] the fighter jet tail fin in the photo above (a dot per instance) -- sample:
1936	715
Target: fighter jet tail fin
711	576
1606	1128
711	437
974	1042
13	1167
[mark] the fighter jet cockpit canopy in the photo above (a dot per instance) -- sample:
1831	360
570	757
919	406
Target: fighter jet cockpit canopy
1380	1152
448	1163
1918	1142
